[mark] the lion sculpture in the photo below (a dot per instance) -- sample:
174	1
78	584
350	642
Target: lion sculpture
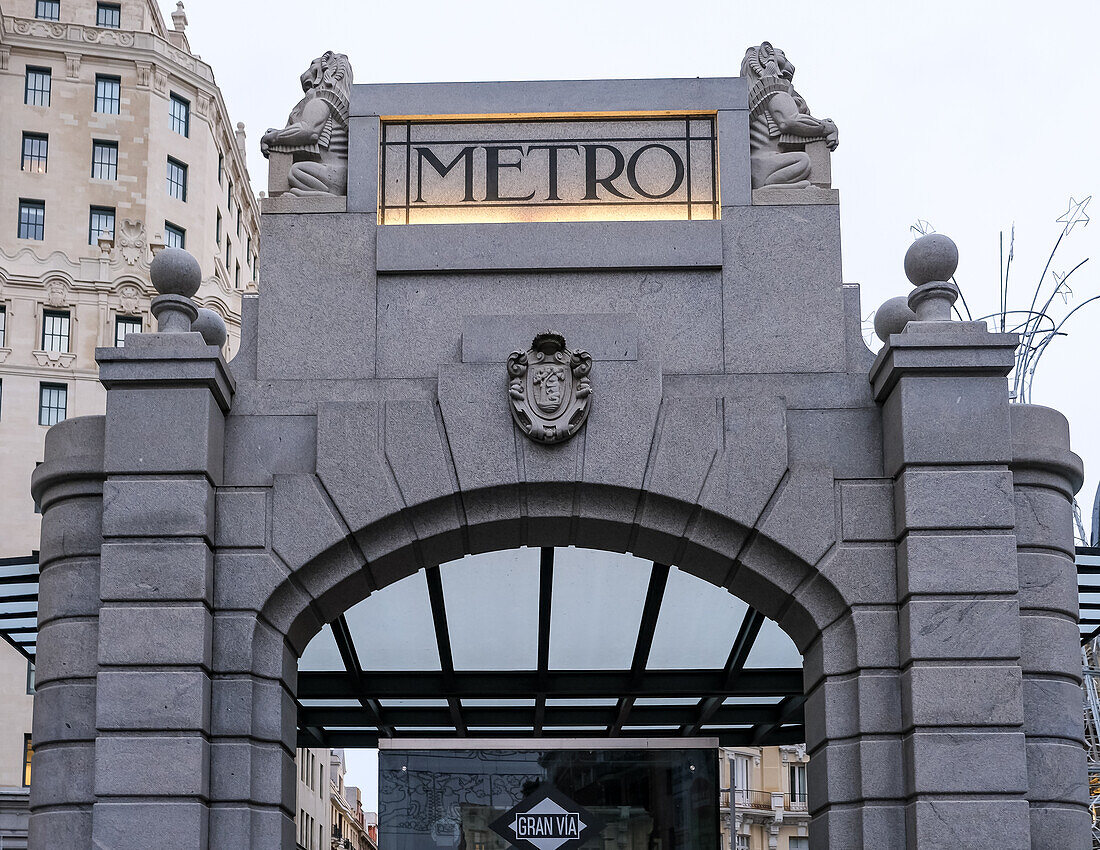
780	123
316	134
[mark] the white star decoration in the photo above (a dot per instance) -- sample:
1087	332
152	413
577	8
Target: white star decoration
1062	287
1075	214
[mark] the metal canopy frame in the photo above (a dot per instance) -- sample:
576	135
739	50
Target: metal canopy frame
19	604
768	708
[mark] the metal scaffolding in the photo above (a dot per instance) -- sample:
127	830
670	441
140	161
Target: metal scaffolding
1092	732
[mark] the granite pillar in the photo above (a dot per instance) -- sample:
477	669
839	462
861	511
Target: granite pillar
69	487
1045	475
167	395
947	446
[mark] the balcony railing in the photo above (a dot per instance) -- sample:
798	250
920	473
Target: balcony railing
765	800
795	802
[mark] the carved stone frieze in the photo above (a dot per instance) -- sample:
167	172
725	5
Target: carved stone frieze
72	65
130	242
128	297
56	292
549	388
54	359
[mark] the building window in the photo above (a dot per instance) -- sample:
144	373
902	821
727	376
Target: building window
3	325
238	222
107	94
741	842
48	10
36	87
28	754
30	675
108	15
101	224
741	777
218	229
796	776
228	253
177	179
35	149
32	219
53	399
55	330
229	197
795	843
237	276
180	112
104	160
174	237
125	325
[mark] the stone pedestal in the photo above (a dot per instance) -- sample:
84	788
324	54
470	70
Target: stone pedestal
278	172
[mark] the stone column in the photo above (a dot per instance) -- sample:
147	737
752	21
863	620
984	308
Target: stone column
1045	475
69	487
947	444
167	396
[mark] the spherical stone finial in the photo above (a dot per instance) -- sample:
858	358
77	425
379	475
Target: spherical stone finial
892	317
931	258
175	272
211	326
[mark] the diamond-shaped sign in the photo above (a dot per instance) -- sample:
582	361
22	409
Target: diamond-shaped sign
546	820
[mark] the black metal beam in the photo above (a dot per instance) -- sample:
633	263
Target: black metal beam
429	684
779	714
658	580
443	643
546	598
735	664
731	738
350	657
790	710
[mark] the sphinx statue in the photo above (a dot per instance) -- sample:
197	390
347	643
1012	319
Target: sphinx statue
309	156
788	146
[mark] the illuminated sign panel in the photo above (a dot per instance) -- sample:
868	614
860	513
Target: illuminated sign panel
550	170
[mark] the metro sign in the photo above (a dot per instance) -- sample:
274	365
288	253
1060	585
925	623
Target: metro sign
547	820
630	168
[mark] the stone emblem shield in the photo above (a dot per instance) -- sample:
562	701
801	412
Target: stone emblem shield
549	388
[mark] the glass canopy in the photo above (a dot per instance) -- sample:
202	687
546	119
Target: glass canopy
550	642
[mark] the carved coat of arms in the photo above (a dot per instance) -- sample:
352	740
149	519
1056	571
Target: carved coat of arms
549	389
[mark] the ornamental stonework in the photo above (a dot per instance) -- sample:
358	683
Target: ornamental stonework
549	388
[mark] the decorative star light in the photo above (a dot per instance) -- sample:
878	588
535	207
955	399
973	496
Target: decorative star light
921	228
1062	287
1075	214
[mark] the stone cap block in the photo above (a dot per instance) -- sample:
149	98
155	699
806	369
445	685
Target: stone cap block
555	97
964	352
1040	450
167	360
540	246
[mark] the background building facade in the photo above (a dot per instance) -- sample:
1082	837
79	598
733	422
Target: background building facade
115	140
764	798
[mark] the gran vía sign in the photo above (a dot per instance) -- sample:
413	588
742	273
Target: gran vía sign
652	167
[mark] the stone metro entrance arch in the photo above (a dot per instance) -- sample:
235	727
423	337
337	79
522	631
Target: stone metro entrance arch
904	524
